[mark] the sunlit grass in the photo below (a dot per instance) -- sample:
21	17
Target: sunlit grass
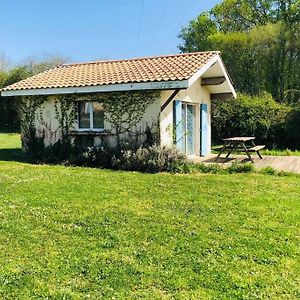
10	140
79	233
274	152
285	152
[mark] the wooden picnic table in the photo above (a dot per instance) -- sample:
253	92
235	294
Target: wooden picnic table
241	144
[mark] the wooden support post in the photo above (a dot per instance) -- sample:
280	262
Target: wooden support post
169	100
212	80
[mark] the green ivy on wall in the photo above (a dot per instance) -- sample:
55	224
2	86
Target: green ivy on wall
65	113
123	110
28	108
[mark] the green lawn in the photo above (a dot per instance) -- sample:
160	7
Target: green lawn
274	152
78	233
10	145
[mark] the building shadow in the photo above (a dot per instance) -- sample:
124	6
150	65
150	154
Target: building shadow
13	154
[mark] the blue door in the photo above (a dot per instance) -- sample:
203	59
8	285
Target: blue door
178	125
203	129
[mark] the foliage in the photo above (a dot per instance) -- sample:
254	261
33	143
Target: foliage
293	128
57	153
65	113
96	157
151	160
243	15
258	116
84	141
198	32
209	168
35	64
241	168
268	171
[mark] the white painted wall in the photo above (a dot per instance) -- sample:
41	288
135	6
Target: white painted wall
196	94
49	127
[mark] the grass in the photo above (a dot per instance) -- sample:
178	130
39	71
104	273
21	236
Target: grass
10	141
10	145
285	152
274	152
79	233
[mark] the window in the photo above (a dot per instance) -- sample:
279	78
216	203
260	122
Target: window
90	116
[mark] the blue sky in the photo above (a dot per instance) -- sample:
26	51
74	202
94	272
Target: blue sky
85	30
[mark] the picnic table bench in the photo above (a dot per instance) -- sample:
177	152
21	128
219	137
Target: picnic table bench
240	144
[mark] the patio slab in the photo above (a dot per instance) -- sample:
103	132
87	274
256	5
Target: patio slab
279	163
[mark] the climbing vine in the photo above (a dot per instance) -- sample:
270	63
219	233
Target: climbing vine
65	113
27	109
123	110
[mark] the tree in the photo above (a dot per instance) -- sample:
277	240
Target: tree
243	15
198	33
37	65
4	62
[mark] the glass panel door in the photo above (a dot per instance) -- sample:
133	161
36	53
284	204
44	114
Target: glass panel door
190	126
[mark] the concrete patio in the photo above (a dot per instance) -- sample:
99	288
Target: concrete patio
279	163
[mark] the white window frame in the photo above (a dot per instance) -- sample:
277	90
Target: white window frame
91	128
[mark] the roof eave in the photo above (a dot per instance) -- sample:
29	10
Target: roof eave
209	64
157	85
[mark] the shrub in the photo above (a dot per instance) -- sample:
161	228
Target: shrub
152	159
292	136
209	168
286	174
260	116
241	168
98	157
268	171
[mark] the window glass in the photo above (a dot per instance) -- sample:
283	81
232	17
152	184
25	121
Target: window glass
98	115
84	114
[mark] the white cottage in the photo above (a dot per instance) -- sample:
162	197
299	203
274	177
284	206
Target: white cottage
177	89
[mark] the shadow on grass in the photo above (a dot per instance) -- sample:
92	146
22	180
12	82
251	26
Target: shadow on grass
14	154
224	160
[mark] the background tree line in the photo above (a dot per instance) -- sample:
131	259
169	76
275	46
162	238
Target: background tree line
9	119
260	44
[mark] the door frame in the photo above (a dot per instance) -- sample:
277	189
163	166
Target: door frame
204	129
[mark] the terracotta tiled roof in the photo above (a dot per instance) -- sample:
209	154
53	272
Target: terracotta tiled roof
148	69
